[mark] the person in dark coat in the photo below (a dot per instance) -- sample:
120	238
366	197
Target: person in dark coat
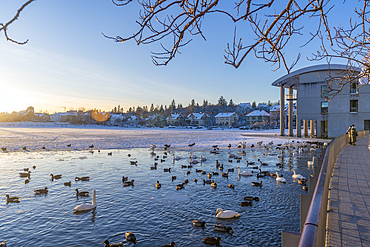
353	135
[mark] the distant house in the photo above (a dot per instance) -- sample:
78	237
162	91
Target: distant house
198	119
263	106
115	119
245	105
257	116
69	116
42	117
275	115
133	120
227	119
175	119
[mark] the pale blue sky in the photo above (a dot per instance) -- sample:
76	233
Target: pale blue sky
68	62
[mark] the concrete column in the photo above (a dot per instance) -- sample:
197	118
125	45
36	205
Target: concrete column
290	110
318	129
282	115
305	128
312	128
298	126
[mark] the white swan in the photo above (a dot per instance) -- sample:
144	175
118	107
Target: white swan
280	179
244	173
297	176
242	145
202	159
220	214
87	206
176	157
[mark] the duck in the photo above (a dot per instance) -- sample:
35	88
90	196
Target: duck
26	181
214	185
91	146
186	181
188	172
42	191
87	206
251	198
124	178
34	167
195	180
25	169
222	228
158	185
3	244
107	244
180	186
215	173
207	181
231	186
212	240
203	172
85	178
226	175
297	176
172	244
209	175
3	149
243	173
81	193
199	223
230	170
167	169
12	199
55	176
129	183
25	174
133	162
130	237
247	203
68	183
227	214
173	178
280	179
257	183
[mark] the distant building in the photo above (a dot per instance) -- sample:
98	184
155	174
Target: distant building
227	119
245	105
69	116
42	117
198	119
257	116
175	119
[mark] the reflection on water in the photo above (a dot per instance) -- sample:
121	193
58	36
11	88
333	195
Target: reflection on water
155	216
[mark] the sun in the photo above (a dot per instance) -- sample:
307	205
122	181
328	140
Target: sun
14	99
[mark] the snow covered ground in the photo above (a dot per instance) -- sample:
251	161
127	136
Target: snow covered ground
34	136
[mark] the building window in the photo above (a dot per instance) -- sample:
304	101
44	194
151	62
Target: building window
324	91
324	107
353	106
353	89
259	118
366	124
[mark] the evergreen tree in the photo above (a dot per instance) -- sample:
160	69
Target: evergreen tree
152	108
254	105
231	103
222	101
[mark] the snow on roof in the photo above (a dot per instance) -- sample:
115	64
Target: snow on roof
262	105
245	105
225	114
198	115
275	108
258	113
173	116
64	114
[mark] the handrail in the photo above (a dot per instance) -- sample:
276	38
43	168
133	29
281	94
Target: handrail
314	230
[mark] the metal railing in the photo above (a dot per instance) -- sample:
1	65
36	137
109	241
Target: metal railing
314	230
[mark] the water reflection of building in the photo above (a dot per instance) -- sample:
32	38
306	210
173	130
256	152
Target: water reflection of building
326	118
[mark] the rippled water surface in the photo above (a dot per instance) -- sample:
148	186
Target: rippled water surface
156	217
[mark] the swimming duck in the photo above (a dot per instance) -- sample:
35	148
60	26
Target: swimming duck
133	162
195	180
247	203
81	193
203	172
188	172
257	183
25	169
68	183
212	240
215	173
180	186
130	237
106	242
59	176
186	181
214	185
12	199
42	191
207	181
231	186
25	174
167	169
129	183
3	149
199	223
172	244
251	198
124	179
158	185
226	175
220	214
173	178
87	206
222	228
34	167
209	175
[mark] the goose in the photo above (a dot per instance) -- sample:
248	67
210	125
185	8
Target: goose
55	176
107	244
25	174
158	185
297	176
81	193
244	173
68	183
280	179
172	244
222	228
212	240
87	206
12	199
214	185
130	237
42	191
227	214
251	198
199	223
247	203
129	183
257	183
180	186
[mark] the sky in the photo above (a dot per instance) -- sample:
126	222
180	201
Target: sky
68	64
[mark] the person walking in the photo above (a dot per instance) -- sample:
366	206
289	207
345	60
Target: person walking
349	134
353	135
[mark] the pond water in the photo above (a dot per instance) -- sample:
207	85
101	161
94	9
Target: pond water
155	216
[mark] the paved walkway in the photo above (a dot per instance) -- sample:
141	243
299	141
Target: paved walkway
349	214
